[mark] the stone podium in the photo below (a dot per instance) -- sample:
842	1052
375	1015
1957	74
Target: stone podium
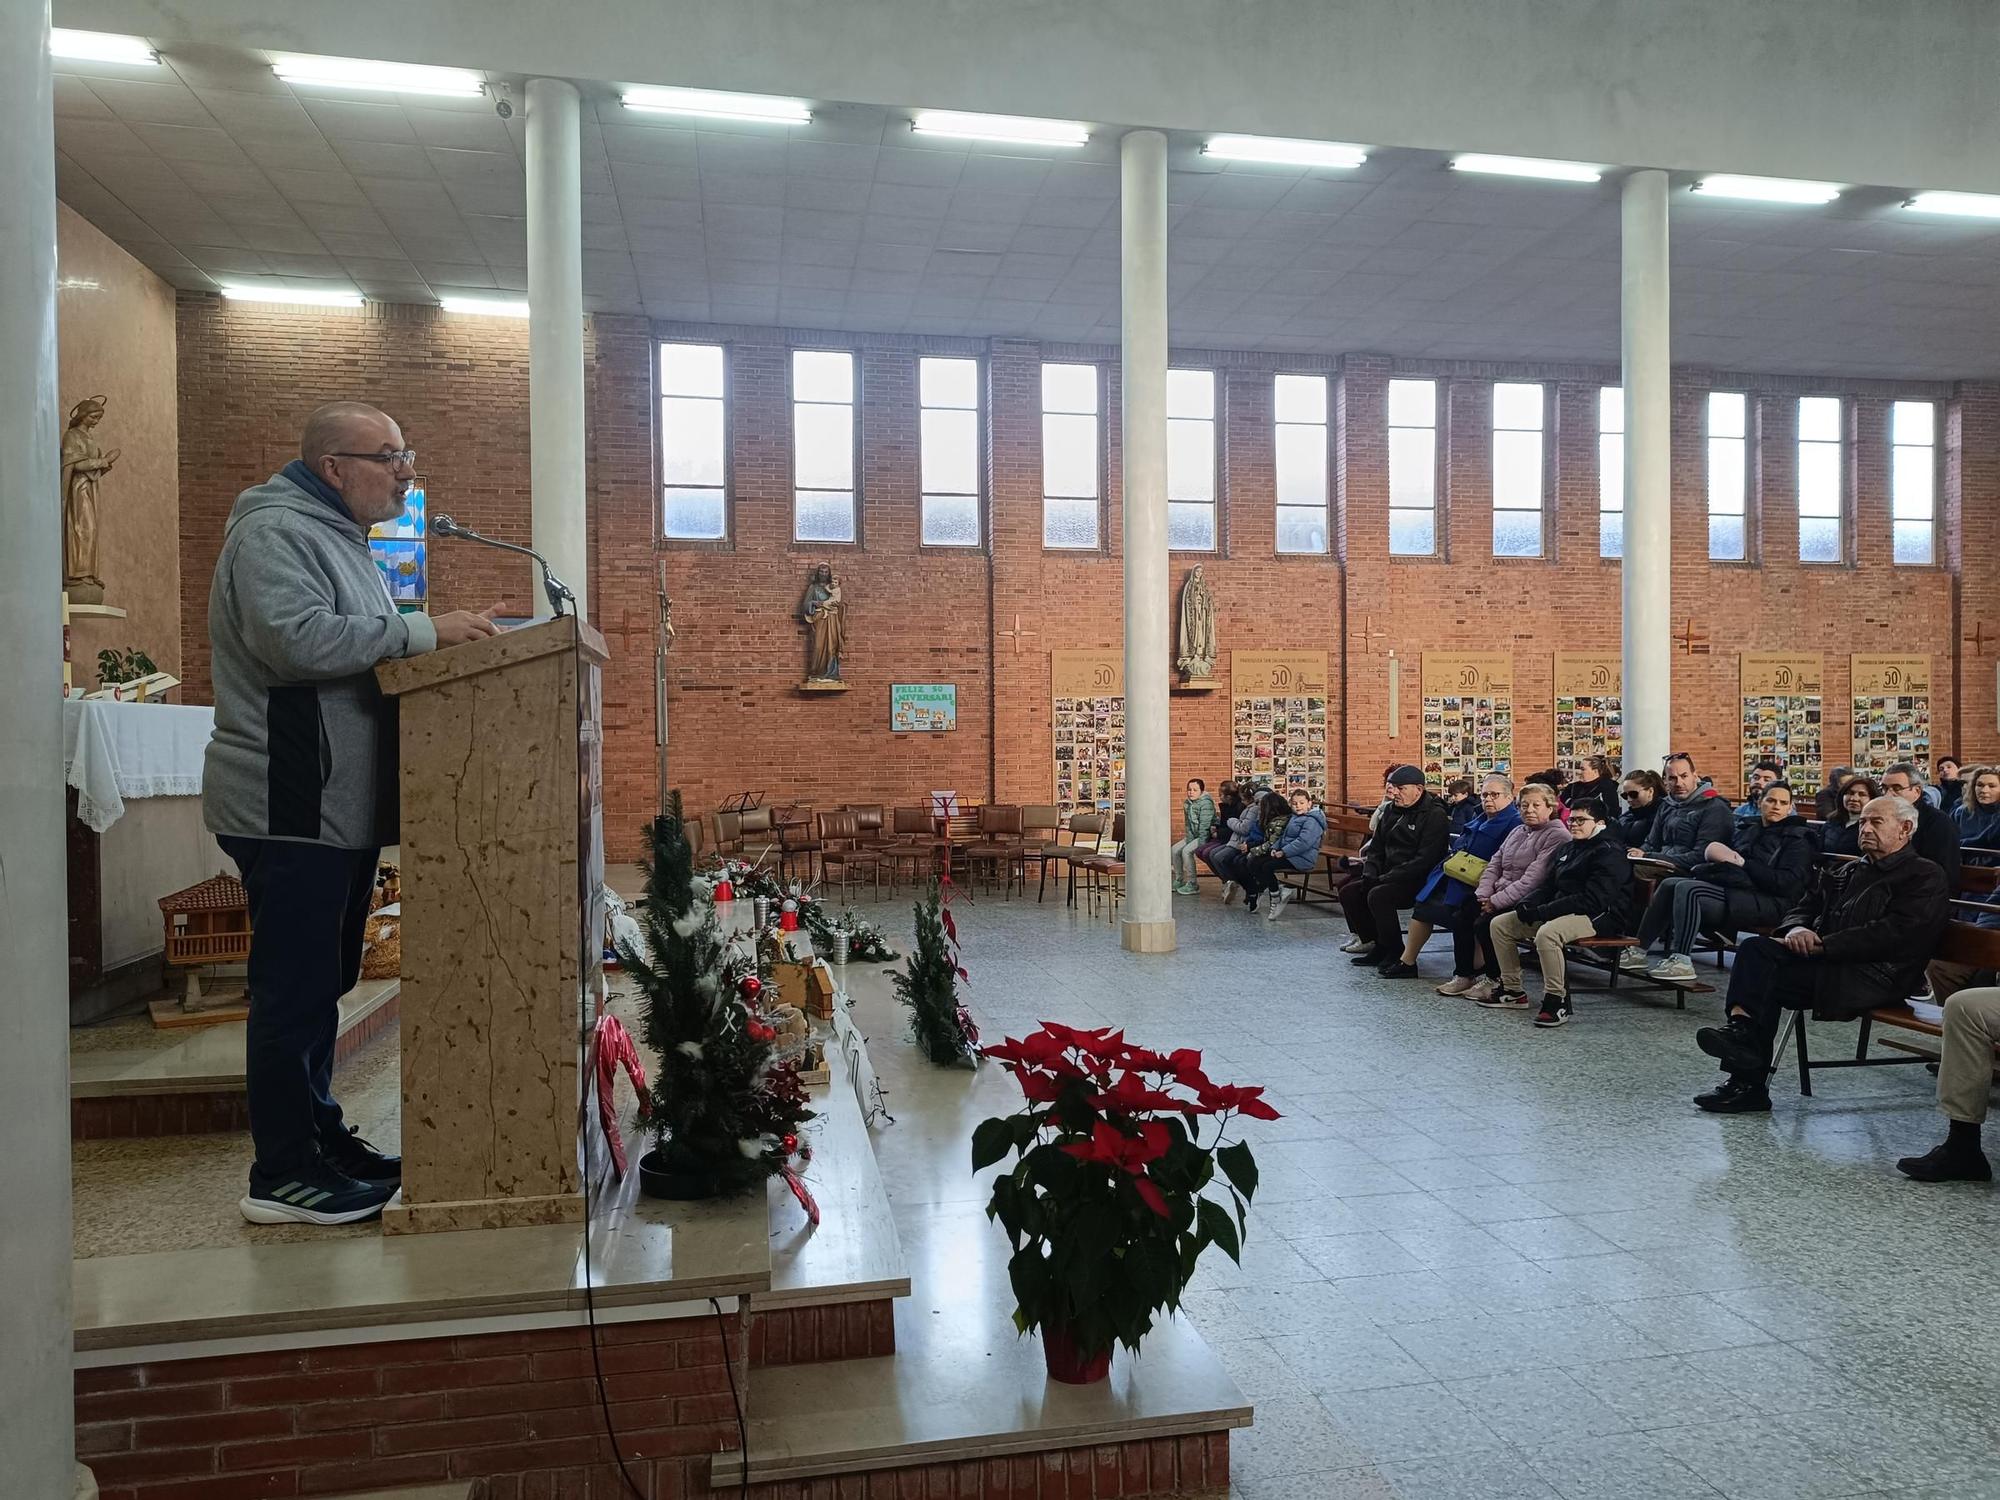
503	920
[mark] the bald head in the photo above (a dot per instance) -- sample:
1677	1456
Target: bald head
357	452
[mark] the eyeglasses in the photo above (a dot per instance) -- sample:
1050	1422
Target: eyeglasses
402	458
1628	796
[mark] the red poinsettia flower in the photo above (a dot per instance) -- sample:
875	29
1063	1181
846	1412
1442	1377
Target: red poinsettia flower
1239	1097
1129	1095
1101	1045
1114	1148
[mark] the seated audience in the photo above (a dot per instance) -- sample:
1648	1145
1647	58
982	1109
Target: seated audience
1598	785
1553	779
1944	978
1751	881
1227	861
1977	817
1693	816
1274	814
1409	839
1937	835
1449	901
1229	804
1643	794
1951	780
1587	893
1764	773
1842	833
1511	876
1826	801
1858	942
1197	823
1295	847
1965	1075
1460	803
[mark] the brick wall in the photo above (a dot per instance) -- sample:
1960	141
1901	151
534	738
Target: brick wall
518	1410
738	722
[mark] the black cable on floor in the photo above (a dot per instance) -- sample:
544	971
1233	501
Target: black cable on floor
742	1423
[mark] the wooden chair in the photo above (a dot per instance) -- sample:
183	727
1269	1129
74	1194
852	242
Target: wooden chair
869	818
840	848
728	833
998	845
757	835
913	840
1082	825
798	845
1041	825
1099	864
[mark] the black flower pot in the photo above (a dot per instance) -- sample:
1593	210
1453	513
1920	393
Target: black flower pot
660	1177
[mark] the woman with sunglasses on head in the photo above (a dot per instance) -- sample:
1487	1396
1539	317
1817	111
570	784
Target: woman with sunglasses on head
1640	795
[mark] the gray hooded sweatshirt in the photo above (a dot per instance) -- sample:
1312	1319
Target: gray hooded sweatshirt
298	615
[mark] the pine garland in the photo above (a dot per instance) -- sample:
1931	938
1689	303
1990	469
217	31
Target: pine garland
724	1106
939	1023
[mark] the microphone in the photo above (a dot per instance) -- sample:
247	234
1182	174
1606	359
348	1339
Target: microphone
554	587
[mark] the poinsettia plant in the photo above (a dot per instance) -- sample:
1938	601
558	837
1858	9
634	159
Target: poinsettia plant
1107	1205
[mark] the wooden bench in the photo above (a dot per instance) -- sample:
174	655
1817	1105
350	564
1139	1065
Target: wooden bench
1603	953
1346	832
1962	944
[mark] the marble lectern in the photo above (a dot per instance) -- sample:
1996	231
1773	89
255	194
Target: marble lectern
503	920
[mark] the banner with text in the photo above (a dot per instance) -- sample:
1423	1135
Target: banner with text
1278	728
1892	711
1088	688
1590	709
1783	712
1468	713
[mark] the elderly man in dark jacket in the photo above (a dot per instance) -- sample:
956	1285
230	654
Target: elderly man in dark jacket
1409	839
1694	815
1859	942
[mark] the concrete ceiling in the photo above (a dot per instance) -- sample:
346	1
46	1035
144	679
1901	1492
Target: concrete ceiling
210	169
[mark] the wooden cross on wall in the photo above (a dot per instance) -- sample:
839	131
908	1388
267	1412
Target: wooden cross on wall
1694	642
1368	633
1016	635
1979	639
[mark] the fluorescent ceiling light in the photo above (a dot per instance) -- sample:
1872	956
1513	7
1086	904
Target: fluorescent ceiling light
1527	166
710	104
317	296
1965	205
1282	152
1020	129
101	46
388	77
487	307
1767	189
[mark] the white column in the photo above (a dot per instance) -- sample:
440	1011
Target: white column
37	1426
1149	912
555	337
1648	566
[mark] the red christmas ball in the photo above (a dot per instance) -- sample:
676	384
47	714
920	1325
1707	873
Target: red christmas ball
790	1142
759	1032
751	986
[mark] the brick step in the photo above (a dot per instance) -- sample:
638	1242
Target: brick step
468	1489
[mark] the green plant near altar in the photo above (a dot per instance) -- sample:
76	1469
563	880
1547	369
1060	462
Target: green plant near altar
727	1106
128	665
1108	1204
940	1025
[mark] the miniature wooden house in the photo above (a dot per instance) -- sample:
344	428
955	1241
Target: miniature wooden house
207	923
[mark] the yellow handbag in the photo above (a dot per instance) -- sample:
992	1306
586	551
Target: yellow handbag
1465	867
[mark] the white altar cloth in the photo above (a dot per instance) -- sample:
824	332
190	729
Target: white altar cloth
112	751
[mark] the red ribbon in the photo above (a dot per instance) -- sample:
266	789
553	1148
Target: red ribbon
614	1047
799	1191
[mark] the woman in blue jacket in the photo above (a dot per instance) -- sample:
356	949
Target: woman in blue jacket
1978	816
1447	902
1296	847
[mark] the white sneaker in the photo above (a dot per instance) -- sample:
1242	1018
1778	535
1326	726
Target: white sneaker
1676	967
1632	960
1354	945
1278	899
1229	890
1458	984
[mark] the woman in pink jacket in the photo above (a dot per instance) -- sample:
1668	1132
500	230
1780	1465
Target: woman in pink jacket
1511	876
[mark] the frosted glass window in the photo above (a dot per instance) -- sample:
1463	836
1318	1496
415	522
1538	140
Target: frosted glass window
1517	470
1611	471
1299	404
948	440
1072	472
1820	539
1413	528
1728	470
823	446
1913	482
1191	519
694	465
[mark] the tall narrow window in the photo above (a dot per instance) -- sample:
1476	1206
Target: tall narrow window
948	420
1611	471
1071	473
1299	404
1413	529
1517	470
693	451
1819	479
1913	481
822	445
1728	472
1191	460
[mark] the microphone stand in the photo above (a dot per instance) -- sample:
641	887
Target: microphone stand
558	592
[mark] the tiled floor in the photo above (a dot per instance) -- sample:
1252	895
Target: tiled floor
1490	1262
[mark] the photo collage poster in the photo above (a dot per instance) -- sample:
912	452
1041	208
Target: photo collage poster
1278	724
1783	716
1468	714
1590	710
1089	727
1892	712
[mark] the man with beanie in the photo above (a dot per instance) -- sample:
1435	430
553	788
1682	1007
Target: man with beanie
1409	839
299	785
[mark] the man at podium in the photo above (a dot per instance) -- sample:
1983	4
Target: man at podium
299	785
